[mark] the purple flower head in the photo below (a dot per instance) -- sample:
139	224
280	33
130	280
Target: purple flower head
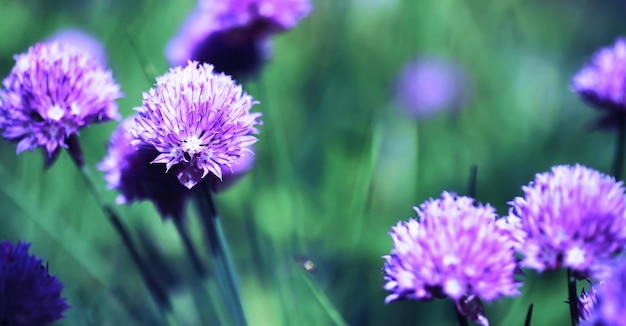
198	121
53	91
83	41
127	169
427	86
574	217
455	250
602	82
609	308
267	16
233	36
28	294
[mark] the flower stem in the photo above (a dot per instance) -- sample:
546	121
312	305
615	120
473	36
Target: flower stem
323	300
620	142
573	297
529	315
189	247
218	249
459	317
473	181
158	294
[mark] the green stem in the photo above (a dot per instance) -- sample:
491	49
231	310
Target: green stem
158	294
219	253
529	315
573	297
189	247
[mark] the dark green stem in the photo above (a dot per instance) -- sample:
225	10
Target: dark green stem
620	142
459	317
529	315
573	297
154	287
189	247
218	249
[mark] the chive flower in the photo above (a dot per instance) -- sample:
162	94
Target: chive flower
29	296
234	36
455	250
602	82
609	306
199	121
574	217
52	92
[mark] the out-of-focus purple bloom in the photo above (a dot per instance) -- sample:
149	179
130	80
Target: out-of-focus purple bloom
609	308
233	36
83	41
28	294
274	15
587	302
198	121
603	80
574	217
127	169
456	250
427	86
53	91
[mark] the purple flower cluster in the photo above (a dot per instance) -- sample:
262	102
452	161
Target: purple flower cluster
454	250
52	92
28	294
574	217
233	36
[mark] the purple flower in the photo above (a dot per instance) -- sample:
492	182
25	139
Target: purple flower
29	296
233	36
574	217
587	302
427	86
602	82
455	250
52	92
83	41
127	169
609	308
198	121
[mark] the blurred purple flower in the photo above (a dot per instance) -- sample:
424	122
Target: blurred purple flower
233	36
574	217
587	302
427	86
602	82
609	308
456	250
53	91
198	121
127	169
28	294
81	40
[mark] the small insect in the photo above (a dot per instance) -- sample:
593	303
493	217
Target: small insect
306	263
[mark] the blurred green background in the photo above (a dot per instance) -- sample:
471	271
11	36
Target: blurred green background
337	164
